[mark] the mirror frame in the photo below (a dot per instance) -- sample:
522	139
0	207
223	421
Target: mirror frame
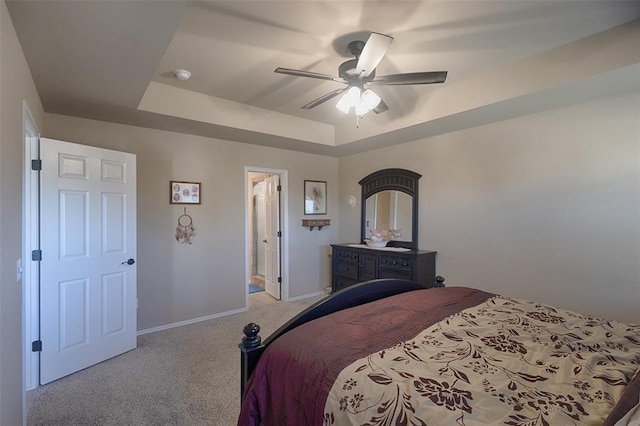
388	180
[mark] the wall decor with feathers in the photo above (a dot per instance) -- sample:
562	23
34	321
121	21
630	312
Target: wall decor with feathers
185	230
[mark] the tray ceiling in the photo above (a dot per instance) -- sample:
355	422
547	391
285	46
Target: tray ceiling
114	61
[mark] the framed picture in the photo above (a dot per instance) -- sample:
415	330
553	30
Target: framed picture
181	192
315	197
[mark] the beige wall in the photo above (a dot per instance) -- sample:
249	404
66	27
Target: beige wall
178	282
16	84
544	207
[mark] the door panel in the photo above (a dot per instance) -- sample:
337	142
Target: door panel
73	209
74	327
272	258
88	232
113	301
368	267
113	224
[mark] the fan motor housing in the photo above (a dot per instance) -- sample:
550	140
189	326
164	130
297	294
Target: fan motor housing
355	47
347	69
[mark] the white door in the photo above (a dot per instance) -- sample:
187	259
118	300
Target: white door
88	241
272	246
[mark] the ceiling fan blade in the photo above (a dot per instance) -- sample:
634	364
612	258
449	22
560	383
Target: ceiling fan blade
382	107
309	74
324	98
411	78
372	53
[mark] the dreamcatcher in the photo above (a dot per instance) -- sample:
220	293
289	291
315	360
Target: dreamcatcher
185	230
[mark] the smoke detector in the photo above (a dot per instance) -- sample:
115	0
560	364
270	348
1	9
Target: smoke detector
182	75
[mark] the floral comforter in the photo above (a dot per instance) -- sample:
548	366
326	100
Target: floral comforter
504	361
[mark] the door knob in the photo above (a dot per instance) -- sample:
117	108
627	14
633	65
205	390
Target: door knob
264	241
129	262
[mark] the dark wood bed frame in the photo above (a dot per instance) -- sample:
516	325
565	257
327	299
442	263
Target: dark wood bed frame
252	346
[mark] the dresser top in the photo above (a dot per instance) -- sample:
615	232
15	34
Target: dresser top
389	250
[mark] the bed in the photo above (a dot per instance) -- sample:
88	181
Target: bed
389	352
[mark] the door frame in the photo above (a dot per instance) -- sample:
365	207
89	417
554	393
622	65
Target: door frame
30	269
284	242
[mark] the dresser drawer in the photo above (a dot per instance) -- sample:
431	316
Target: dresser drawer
346	269
396	262
348	255
340	282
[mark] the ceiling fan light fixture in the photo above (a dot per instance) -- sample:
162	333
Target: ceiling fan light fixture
349	99
370	99
342	105
361	109
362	102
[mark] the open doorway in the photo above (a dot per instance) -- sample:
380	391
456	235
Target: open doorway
265	245
257	236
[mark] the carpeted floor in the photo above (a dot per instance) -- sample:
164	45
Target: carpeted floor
187	375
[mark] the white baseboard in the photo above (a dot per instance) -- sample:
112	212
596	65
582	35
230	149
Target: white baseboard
223	314
191	321
306	296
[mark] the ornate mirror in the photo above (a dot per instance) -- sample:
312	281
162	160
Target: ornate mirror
390	205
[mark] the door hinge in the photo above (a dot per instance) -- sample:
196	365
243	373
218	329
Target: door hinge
279	234
36	165
36	346
36	255
279	280
279	188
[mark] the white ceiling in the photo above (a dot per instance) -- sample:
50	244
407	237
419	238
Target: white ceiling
114	61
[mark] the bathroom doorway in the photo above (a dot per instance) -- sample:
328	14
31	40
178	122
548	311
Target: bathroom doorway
264	241
258	228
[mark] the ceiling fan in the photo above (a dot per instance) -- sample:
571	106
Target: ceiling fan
356	74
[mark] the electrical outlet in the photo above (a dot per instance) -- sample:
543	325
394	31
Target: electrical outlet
19	269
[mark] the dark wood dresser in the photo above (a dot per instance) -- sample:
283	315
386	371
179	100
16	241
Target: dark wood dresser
354	263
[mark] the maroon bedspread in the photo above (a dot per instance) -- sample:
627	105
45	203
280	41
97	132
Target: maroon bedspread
295	373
